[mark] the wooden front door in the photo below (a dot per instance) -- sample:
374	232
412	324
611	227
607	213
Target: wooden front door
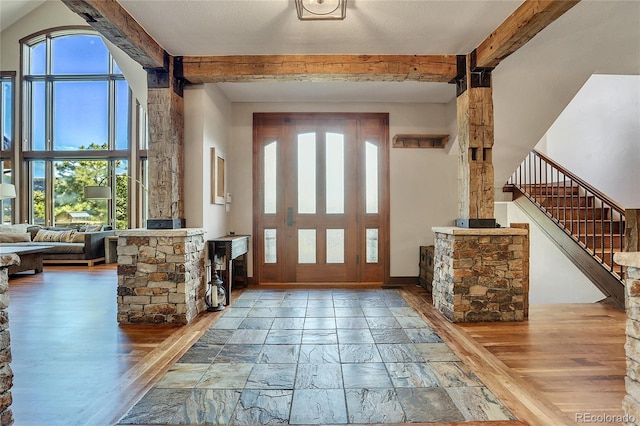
321	197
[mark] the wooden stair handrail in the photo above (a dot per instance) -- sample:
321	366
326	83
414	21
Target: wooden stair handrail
600	244
617	207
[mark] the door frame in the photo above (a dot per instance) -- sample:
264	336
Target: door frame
384	180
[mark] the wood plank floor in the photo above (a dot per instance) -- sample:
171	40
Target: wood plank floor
573	354
74	364
570	357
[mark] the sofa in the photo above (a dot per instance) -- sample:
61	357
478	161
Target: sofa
83	245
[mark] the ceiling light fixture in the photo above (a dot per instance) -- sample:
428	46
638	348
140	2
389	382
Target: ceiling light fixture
321	10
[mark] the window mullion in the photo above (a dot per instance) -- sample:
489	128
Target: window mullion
111	132
49	115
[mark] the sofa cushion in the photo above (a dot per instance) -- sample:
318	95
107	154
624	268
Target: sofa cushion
64	248
47	236
19	228
15	238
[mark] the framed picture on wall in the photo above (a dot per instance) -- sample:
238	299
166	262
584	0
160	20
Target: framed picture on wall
220	180
213	175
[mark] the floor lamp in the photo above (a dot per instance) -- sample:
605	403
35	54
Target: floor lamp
7	191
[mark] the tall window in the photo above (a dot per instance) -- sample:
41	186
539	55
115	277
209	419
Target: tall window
6	149
78	114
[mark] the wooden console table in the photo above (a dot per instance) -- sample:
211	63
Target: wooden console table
224	251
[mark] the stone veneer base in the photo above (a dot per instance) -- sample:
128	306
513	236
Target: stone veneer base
161	275
6	374
631	402
481	274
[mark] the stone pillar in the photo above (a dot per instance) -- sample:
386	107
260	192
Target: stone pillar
166	147
632	230
161	275
6	374
481	274
475	145
631	402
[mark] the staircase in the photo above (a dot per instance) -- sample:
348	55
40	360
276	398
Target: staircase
594	223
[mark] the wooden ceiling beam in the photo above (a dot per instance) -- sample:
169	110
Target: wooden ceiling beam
116	25
528	20
216	69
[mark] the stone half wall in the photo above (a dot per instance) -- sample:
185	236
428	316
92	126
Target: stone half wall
6	374
631	402
481	274
161	275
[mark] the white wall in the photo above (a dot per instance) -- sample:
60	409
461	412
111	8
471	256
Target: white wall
553	278
423	181
48	15
534	85
207	115
597	137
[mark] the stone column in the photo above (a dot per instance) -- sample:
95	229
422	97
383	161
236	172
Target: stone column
631	402
481	274
475	145
166	148
632	230
6	374
161	275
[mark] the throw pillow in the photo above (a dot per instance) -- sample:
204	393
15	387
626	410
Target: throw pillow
46	236
15	238
93	228
19	228
78	238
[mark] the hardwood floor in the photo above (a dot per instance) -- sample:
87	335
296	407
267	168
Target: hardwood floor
568	358
74	364
573	354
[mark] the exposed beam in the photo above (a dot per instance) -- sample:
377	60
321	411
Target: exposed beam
115	24
215	69
528	20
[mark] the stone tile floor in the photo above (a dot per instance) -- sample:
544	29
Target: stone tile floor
318	357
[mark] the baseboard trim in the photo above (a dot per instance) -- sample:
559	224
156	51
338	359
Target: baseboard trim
403	280
396	281
88	262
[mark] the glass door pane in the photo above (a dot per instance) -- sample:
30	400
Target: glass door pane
335	173
371	177
372	246
307	173
270	177
270	246
335	245
306	246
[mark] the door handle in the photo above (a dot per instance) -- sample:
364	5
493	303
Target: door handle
290	216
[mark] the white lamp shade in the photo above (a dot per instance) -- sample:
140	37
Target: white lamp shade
7	190
97	192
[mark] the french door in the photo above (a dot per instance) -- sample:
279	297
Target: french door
321	197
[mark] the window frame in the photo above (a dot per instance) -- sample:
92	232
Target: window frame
8	154
132	155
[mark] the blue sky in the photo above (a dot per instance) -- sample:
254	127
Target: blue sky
80	107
